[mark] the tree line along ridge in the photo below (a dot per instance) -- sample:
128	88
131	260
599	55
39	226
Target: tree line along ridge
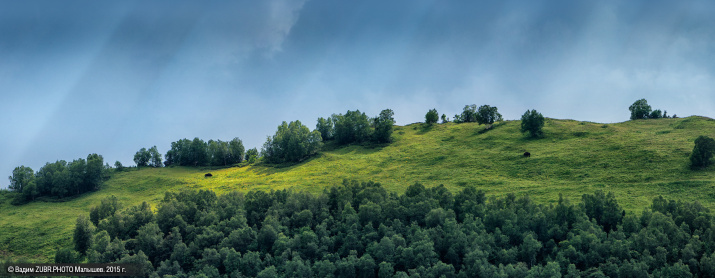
292	143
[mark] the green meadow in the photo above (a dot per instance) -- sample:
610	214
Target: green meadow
637	160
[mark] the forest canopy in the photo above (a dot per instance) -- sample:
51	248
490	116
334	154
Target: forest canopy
361	230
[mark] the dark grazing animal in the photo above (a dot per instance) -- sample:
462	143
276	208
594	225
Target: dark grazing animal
208	175
527	154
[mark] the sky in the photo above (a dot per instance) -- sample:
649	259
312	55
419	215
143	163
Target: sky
111	77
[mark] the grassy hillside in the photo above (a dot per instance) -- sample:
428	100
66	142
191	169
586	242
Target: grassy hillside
637	160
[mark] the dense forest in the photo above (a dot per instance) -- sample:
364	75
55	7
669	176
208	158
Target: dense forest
361	230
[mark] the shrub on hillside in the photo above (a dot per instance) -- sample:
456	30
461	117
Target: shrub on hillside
118	166
656	114
252	155
382	125
532	122
431	117
702	152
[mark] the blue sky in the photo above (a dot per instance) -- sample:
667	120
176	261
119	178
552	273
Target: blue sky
80	77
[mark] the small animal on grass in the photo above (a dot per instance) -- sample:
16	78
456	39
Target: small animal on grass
208	175
527	154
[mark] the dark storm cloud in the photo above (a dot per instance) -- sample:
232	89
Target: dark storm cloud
81	77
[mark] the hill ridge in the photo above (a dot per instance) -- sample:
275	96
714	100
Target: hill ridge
637	160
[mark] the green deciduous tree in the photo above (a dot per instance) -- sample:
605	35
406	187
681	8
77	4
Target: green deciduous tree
353	127
142	157
82	234
604	208
61	182
251	264
469	114
532	122
383	126
46	176
252	155
325	127
78	168
366	266
702	152
656	114
107	207
236	151
431	117
487	115
529	249
95	170
141	263
168	268
67	256
179	153
386	270
23	180
149	239
118	166
218	152
296	267
155	160
324	269
198	153
222	153
31	191
292	142
640	109
98	248
268	272
21	177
